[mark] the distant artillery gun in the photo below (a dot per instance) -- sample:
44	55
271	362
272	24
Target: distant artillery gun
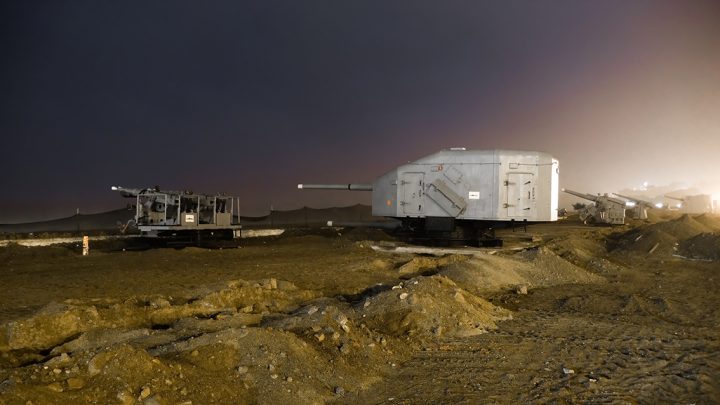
605	210
695	204
639	210
183	215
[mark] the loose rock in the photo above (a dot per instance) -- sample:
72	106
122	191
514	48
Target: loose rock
75	383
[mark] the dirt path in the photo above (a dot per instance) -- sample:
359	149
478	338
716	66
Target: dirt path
628	341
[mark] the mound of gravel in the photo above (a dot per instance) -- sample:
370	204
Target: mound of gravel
532	268
426	306
659	238
711	221
705	246
56	323
262	341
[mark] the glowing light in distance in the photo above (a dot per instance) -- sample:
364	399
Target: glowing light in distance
659	205
629	204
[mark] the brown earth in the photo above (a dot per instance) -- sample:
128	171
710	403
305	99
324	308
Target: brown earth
563	314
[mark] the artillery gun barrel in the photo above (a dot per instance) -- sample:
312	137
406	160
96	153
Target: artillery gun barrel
581	195
127	192
350	186
636	200
674	198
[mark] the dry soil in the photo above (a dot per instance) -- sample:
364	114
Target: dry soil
563	314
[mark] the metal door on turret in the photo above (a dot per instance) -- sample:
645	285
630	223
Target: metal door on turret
411	192
520	192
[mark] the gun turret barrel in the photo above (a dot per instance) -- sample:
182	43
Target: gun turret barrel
636	200
126	192
581	195
350	186
674	198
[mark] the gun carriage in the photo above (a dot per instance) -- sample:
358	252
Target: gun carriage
183	215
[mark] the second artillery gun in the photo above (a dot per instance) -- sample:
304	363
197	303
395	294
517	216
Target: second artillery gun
464	194
604	210
639	210
177	216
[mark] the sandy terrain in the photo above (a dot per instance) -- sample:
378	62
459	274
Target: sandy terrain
563	314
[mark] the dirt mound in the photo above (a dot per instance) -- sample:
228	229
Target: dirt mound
643	240
711	221
532	268
428	265
252	365
705	246
579	250
419	307
56	323
682	228
427	306
264	341
659	238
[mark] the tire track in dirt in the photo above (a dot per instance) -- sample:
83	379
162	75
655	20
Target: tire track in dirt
543	356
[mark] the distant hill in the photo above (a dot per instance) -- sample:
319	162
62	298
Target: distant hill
109	221
313	216
103	221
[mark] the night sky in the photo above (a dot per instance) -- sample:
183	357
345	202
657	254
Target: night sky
250	98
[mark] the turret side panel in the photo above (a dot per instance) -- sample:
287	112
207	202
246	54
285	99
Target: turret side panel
473	186
529	186
385	196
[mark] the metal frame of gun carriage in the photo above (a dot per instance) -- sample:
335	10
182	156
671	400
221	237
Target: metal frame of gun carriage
183	216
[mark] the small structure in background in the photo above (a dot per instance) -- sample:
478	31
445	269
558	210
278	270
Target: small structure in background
183	215
605	210
694	204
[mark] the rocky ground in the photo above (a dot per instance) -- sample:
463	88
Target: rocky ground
563	314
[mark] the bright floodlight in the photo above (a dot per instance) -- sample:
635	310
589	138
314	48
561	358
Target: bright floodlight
630	204
659	205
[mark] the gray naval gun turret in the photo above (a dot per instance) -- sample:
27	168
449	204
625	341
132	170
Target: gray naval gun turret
605	210
464	194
